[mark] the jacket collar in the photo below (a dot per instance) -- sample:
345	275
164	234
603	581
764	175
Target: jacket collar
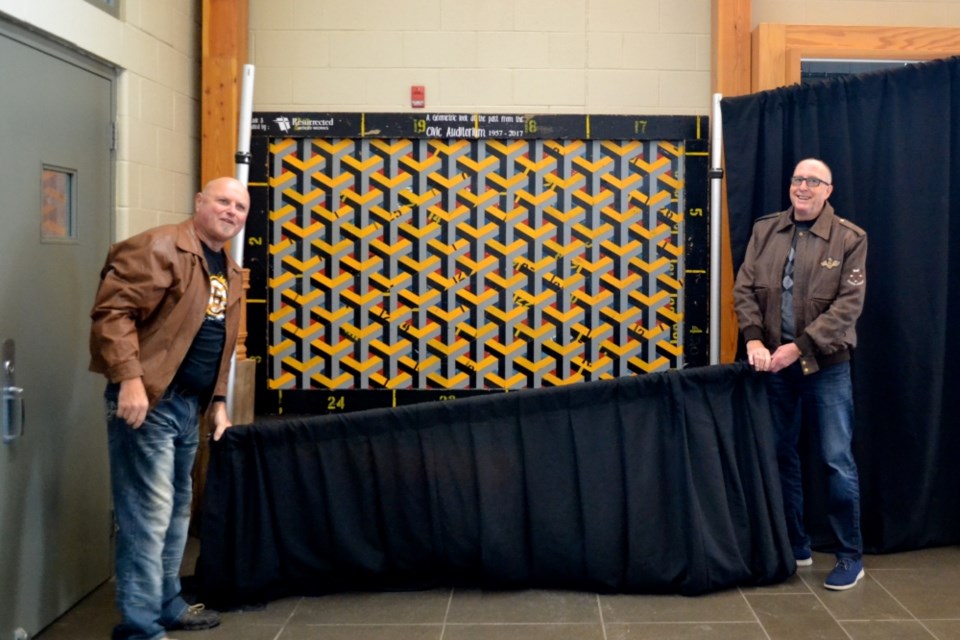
187	240
821	225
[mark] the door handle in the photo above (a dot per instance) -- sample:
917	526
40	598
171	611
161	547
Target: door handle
14	414
12	410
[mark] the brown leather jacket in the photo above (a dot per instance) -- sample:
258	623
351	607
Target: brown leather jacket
829	289
154	291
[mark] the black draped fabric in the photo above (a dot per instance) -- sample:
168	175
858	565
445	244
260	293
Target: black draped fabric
892	139
660	483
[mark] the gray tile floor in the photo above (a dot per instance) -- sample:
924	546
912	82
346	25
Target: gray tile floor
904	596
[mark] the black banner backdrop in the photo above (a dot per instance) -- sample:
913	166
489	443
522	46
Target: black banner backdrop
893	143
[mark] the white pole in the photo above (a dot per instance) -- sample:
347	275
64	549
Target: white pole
242	159
716	177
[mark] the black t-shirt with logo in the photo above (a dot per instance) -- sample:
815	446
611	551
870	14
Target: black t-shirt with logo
198	371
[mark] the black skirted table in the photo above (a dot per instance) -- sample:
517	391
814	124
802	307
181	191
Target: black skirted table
663	483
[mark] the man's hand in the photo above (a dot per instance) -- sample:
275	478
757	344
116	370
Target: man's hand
221	421
132	403
784	356
758	355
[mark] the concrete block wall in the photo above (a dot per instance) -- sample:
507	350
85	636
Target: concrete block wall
158	164
550	56
877	13
568	56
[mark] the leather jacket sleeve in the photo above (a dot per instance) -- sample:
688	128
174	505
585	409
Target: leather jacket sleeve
134	281
745	295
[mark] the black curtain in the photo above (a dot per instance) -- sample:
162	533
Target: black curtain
657	483
892	139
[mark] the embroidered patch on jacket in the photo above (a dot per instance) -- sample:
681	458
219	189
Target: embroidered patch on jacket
856	278
830	263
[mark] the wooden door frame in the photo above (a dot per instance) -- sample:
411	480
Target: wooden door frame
778	49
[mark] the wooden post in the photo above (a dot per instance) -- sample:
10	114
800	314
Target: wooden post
730	76
224	52
224	38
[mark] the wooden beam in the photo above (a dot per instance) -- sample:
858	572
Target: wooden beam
223	45
224	52
730	51
730	76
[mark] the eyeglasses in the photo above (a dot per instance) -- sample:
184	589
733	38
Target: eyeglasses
811	182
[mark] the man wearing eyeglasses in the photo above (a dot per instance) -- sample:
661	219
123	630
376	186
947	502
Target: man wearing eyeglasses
798	296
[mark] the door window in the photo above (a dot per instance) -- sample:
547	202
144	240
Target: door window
58	204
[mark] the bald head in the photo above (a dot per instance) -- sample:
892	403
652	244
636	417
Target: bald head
808	199
220	211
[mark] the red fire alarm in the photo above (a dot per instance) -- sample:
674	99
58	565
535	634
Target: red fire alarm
418	96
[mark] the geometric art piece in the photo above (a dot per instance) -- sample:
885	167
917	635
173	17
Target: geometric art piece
473	262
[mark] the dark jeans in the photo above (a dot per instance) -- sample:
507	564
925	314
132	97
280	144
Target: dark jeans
828	396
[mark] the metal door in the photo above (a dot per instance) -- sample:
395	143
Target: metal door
56	113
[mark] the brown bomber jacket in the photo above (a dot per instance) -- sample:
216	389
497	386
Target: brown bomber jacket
829	289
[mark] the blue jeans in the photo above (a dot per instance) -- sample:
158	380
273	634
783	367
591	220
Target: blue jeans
826	395
152	487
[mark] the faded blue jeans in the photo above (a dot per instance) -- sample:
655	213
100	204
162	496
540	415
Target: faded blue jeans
152	487
828	396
